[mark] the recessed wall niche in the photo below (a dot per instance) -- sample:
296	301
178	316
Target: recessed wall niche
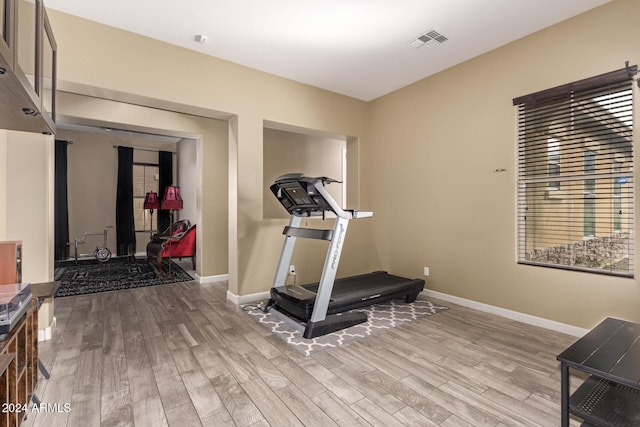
313	155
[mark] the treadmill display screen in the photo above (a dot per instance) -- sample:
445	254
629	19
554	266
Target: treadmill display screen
298	195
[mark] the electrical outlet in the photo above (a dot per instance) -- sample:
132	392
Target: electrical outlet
292	270
426	271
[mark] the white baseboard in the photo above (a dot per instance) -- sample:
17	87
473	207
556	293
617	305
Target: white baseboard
247	299
502	312
509	314
45	334
212	279
199	279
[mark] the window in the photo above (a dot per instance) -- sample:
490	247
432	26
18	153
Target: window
579	216
589	195
553	160
617	198
145	179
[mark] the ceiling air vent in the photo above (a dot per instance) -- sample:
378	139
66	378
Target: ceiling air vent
430	39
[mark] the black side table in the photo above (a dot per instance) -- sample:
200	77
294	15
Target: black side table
610	353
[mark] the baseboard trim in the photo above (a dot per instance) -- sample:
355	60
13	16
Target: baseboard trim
212	279
45	334
499	311
247	299
509	314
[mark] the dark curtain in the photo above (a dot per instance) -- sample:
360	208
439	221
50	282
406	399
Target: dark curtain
125	224
61	207
165	170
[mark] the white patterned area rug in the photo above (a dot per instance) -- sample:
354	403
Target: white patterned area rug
381	317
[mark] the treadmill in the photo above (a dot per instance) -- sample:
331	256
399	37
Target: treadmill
317	309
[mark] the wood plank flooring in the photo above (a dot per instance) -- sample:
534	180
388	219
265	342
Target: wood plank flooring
182	355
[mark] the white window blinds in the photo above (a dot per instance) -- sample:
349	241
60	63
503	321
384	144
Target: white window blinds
575	176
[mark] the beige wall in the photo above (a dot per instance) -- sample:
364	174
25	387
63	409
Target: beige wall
3	184
29	207
439	203
188	176
92	56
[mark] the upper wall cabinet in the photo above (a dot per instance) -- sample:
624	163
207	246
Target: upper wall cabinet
27	67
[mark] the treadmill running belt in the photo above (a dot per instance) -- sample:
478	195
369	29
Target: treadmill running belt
349	293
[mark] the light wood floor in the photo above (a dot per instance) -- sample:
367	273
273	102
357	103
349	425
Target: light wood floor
182	355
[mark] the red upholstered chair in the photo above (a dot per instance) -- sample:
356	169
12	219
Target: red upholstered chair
177	241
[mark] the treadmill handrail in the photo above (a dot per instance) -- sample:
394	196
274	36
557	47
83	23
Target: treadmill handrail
308	233
355	214
335	207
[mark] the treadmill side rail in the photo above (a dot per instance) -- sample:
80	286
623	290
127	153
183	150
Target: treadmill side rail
361	214
329	270
308	233
286	254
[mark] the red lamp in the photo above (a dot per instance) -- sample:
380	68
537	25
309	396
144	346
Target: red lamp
172	200
151	202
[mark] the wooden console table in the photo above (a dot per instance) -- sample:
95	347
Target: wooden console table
610	353
19	363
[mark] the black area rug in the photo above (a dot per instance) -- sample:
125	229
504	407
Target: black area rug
90	276
381	317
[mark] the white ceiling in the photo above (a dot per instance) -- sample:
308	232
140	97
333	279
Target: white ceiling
357	48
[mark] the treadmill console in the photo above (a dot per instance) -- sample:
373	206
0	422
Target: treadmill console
300	195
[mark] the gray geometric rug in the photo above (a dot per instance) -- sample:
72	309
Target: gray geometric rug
381	317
